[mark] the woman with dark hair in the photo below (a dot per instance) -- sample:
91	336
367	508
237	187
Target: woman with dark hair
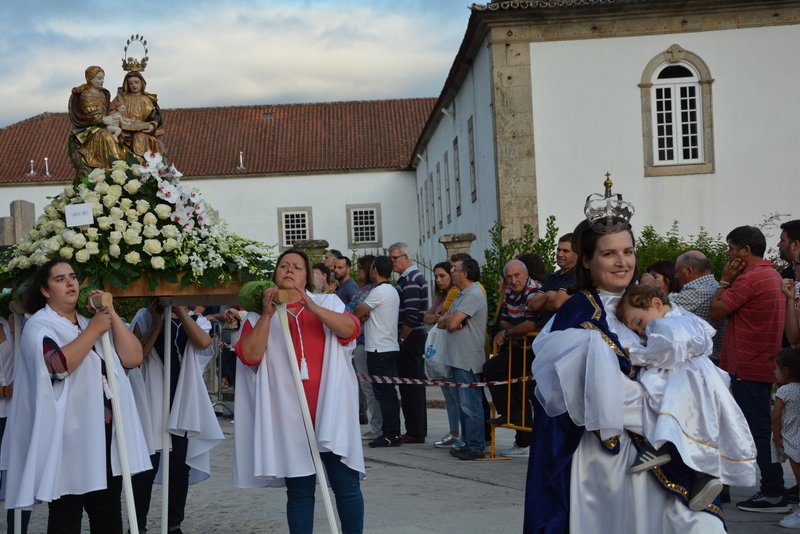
665	275
271	443
444	294
589	410
142	108
62	445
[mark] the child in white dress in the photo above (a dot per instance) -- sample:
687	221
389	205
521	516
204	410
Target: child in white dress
786	419
688	396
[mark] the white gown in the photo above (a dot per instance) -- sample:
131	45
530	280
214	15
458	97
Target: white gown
577	372
191	414
690	402
270	441
54	443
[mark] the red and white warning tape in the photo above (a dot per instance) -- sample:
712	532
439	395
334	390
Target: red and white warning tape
418	382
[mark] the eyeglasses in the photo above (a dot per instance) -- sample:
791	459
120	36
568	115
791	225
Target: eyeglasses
395	258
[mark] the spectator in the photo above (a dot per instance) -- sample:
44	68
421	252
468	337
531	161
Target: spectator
553	293
790	290
664	275
749	295
464	353
693	271
515	323
535	265
789	246
347	288
413	290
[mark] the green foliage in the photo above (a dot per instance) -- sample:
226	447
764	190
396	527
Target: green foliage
250	295
652	247
501	253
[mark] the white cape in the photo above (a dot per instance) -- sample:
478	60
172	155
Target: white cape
191	415
54	443
690	401
577	372
270	441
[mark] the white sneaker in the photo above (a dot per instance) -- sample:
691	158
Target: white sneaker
792	520
515	451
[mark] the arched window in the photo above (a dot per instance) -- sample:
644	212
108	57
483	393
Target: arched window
676	114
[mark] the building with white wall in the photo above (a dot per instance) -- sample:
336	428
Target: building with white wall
689	105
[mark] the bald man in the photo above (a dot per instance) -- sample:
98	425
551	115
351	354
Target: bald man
515	322
697	287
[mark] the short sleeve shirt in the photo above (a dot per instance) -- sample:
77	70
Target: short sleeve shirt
464	348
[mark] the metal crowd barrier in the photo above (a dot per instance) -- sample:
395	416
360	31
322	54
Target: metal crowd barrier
525	401
213	371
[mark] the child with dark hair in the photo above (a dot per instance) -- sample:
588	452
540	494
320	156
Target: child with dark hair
691	407
786	419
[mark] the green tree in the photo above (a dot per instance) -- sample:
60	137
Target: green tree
652	247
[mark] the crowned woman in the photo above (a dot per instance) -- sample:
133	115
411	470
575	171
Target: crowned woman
142	109
90	144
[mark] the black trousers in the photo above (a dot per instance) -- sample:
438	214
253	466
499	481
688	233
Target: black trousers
104	507
496	369
411	364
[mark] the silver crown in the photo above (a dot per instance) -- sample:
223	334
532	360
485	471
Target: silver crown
608	214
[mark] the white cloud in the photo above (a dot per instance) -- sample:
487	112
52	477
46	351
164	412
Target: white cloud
232	53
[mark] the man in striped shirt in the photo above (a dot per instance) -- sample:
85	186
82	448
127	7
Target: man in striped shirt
516	321
413	290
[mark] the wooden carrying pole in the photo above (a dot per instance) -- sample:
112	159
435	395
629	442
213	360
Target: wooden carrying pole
100	301
16	307
279	301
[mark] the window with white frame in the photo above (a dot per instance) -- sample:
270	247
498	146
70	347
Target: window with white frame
421	210
447	187
433	202
294	225
439	191
677	119
364	225
457	176
473	178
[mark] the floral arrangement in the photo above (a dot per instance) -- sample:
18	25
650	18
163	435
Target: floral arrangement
145	224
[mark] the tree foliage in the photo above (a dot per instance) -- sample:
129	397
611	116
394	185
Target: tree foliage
652	247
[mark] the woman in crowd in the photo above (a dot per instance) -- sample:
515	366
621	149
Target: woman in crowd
90	143
269	432
62	445
445	293
589	412
142	108
665	276
364	264
192	423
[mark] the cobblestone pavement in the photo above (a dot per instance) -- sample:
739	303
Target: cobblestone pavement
409	489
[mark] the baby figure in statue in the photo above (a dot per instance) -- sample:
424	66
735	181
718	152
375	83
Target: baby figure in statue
119	114
690	405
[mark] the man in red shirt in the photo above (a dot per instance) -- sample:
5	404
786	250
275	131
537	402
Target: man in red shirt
749	296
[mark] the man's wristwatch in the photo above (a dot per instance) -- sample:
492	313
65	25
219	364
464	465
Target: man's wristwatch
400	339
507	334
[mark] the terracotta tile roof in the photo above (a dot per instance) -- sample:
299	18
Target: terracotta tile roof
289	138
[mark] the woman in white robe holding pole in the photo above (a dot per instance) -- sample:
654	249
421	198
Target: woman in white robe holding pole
62	443
271	446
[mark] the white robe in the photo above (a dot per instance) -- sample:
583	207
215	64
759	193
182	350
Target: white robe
577	372
270	442
191	415
690	401
6	364
55	437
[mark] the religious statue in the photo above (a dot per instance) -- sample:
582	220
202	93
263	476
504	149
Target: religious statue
103	130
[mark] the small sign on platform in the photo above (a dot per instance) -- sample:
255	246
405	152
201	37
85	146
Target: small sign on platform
79	214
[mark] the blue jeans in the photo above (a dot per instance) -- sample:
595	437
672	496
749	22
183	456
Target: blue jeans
471	410
754	400
385	364
453	407
346	488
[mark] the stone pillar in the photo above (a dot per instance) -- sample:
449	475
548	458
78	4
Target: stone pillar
315	248
513	110
455	243
24	215
7	231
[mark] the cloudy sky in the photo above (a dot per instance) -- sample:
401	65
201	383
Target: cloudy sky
229	52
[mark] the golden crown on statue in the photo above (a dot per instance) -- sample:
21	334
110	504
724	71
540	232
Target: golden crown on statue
608	214
130	64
